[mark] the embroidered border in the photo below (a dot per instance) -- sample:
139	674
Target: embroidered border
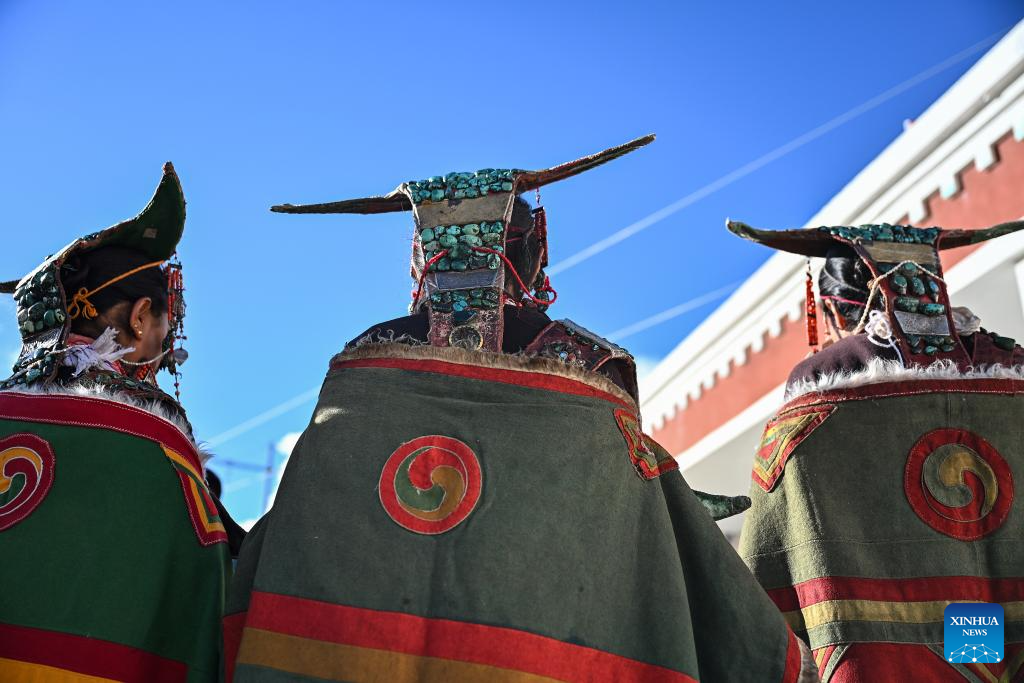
524	378
649	458
914	387
780	438
202	511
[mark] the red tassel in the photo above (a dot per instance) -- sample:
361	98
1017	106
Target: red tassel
811	309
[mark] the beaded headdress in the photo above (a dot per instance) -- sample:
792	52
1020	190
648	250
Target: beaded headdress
906	275
462	230
45	311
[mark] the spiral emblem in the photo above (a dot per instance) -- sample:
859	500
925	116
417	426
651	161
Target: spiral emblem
430	484
958	484
26	475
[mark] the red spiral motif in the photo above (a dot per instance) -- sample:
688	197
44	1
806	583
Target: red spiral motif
26	475
431	484
958	484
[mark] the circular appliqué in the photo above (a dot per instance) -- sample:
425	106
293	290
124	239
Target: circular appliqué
26	475
958	484
430	484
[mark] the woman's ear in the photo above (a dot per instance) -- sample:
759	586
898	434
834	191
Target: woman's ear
141	310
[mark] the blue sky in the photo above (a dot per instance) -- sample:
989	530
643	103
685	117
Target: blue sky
266	102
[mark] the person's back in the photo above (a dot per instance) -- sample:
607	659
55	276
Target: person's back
884	486
115	555
474	498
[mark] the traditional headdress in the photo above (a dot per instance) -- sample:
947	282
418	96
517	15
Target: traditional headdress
462	229
45	310
907	277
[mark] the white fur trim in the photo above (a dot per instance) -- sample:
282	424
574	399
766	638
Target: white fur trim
880	370
153	407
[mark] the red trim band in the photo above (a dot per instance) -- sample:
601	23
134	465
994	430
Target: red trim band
908	387
84	411
89	656
523	378
231	629
501	647
924	589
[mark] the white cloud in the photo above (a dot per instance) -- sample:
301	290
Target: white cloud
286	444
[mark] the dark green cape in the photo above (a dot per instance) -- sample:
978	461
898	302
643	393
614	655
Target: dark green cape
876	506
115	563
452	516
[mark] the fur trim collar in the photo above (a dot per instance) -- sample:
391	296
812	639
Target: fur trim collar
880	370
153	407
488	359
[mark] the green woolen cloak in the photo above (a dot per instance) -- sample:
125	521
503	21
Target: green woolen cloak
115	562
876	506
453	516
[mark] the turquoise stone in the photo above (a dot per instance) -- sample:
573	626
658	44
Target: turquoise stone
935	290
931	350
49	318
459	305
946	348
459	251
36	311
483	189
471	240
458	264
506	186
917	286
447	241
913	340
899	284
491	238
933	309
464	316
47	279
909	268
459	194
59	315
472	193
432	246
453	230
427	235
436	195
471	229
443	264
476	302
493	261
33	374
907	303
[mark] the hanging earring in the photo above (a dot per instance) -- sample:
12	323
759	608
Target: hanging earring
811	310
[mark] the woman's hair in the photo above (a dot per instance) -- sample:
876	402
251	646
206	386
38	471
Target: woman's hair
94	268
844	276
524	252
